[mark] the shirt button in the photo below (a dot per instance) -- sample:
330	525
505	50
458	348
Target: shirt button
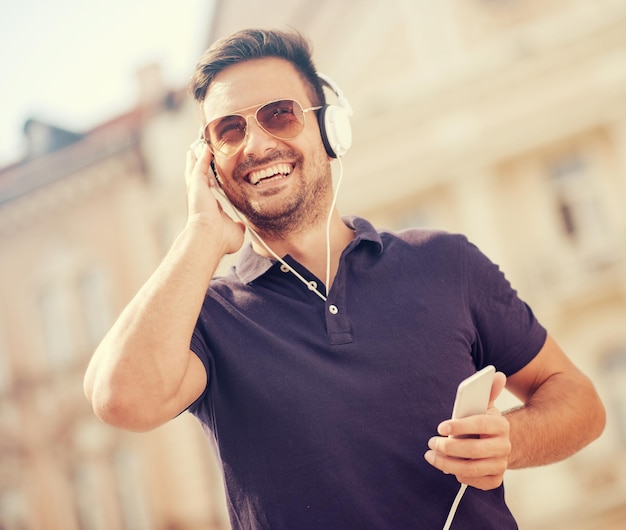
284	267
333	309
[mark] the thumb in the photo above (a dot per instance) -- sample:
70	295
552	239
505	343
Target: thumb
499	381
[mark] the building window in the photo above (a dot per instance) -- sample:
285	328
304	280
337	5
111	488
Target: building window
500	3
89	505
111	490
167	229
5	378
13	509
55	308
479	20
95	296
131	493
614	374
577	204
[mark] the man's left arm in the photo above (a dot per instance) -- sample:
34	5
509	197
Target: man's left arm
561	413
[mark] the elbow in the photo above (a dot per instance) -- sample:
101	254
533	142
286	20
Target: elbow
591	412
119	401
88	384
114	408
119	414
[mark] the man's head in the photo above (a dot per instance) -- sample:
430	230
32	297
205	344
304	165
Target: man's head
258	92
249	44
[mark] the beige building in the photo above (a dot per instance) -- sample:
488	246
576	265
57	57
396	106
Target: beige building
504	120
84	220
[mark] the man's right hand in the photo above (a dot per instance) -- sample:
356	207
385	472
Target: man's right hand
202	206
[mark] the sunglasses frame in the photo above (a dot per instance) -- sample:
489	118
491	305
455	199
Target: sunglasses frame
254	115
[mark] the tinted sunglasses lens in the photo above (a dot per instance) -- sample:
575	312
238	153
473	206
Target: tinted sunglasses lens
283	119
226	134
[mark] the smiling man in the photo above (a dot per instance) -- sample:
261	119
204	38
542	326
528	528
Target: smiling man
276	187
324	365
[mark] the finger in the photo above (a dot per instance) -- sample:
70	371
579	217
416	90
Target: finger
485	483
499	382
190	162
471	472
471	448
204	164
467	467
198	163
491	424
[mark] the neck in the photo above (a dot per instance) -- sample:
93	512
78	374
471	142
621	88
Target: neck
309	247
317	246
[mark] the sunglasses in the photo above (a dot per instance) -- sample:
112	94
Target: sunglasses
282	119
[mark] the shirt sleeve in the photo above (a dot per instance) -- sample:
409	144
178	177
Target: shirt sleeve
508	335
199	346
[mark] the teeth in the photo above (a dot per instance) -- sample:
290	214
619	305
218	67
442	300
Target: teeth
278	169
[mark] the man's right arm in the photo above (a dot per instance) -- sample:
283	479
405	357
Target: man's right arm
143	373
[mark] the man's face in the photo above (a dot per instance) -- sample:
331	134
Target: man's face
279	185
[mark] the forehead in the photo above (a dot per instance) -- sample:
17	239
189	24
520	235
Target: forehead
253	82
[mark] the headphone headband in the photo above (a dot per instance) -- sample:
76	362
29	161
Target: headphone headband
341	99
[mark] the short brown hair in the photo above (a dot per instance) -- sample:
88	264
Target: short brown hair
249	44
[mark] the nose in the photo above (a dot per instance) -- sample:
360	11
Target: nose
257	141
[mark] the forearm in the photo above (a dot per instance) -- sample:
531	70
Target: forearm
562	416
145	355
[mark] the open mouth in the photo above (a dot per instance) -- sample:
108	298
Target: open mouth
270	174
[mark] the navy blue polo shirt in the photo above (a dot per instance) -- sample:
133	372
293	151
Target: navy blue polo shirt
320	411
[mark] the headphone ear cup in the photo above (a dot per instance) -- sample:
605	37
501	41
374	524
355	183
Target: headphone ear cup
335	129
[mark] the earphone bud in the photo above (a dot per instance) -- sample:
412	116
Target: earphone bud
217	177
334	121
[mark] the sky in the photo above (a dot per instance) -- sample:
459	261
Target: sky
73	63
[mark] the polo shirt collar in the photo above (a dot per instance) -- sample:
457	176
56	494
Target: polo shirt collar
251	265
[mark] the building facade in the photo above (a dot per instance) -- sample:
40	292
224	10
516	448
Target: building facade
504	120
84	220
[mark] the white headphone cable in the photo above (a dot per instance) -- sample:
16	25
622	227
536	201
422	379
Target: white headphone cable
328	221
455	505
311	285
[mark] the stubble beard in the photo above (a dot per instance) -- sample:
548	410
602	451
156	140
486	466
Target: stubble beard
303	209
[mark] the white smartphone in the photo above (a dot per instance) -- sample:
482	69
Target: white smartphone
472	394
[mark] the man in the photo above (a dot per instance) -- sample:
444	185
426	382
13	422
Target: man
324	366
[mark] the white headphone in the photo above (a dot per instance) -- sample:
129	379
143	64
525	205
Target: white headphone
334	121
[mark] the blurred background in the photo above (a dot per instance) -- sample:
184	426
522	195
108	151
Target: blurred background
501	119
